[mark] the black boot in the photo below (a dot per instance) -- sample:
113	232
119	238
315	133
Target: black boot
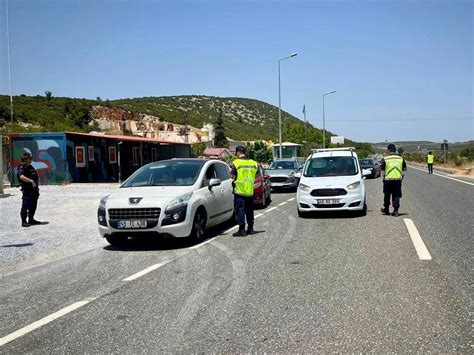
240	232
33	222
395	212
24	223
250	230
385	211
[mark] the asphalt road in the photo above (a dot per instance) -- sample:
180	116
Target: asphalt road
327	283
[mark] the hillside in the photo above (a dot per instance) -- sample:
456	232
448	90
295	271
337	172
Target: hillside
414	146
244	119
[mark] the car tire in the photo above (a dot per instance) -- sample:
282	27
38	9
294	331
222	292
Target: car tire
117	240
264	200
363	211
199	226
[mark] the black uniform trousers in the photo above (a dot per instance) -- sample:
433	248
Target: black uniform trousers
430	168
393	189
29	203
243	208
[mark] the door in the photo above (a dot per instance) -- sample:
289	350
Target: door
223	173
212	196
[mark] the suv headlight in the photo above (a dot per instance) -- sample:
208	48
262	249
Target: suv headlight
353	186
304	187
179	201
103	200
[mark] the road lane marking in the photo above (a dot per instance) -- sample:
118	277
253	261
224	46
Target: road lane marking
291	199
420	246
444	176
281	204
29	328
259	215
271	209
146	271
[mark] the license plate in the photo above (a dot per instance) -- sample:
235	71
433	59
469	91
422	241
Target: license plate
329	202
132	224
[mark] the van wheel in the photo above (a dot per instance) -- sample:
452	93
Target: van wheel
199	226
302	214
363	211
117	240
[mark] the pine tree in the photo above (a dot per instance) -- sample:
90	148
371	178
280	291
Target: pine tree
220	139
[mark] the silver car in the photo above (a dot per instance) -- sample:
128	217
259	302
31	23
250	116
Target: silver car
284	173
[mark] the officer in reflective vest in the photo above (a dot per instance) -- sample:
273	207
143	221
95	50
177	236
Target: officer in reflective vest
391	168
430	161
243	172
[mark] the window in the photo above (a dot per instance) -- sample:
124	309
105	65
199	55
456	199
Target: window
210	174
284	165
135	155
331	166
222	172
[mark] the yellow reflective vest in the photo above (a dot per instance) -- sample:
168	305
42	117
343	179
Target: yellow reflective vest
393	167
430	158
246	171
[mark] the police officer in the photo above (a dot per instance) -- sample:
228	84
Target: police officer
243	172
28	179
391	168
430	161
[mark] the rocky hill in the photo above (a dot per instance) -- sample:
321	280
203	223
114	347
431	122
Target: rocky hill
244	119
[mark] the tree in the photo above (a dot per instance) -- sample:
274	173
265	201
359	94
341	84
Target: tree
220	139
48	95
98	99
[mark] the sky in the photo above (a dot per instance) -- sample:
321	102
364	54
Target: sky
402	70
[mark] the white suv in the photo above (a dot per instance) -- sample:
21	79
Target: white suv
332	180
178	198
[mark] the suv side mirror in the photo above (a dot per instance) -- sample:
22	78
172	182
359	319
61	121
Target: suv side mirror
366	172
214	182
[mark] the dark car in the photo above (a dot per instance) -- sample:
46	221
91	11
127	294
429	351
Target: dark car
371	165
262	194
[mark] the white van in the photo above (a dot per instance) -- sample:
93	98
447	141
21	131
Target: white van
332	180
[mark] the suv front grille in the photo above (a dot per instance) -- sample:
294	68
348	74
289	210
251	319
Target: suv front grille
328	192
134	213
278	179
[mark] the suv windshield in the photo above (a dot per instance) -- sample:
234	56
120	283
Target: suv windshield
331	166
166	173
285	165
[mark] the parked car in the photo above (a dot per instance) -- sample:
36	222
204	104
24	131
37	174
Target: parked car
177	197
262	194
332	181
283	172
371	165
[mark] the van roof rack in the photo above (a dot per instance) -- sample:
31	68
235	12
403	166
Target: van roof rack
320	150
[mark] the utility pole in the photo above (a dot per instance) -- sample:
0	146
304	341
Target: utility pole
9	67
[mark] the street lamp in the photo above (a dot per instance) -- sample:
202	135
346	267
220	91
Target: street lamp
279	100
324	125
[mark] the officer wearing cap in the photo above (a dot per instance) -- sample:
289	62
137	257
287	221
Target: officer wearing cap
391	169
28	179
243	172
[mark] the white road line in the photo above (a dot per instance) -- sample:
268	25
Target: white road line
270	209
291	199
281	204
444	176
146	271
20	332
258	216
420	246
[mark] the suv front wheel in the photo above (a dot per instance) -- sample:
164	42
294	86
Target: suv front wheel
199	226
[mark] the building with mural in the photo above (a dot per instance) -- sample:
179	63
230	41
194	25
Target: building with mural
66	157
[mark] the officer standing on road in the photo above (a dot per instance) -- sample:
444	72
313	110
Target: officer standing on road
28	179
243	172
391	168
430	161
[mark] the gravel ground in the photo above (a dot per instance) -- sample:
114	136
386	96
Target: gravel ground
70	213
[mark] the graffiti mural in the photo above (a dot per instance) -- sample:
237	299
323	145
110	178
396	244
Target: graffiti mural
48	153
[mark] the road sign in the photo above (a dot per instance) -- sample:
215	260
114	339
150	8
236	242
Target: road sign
337	140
